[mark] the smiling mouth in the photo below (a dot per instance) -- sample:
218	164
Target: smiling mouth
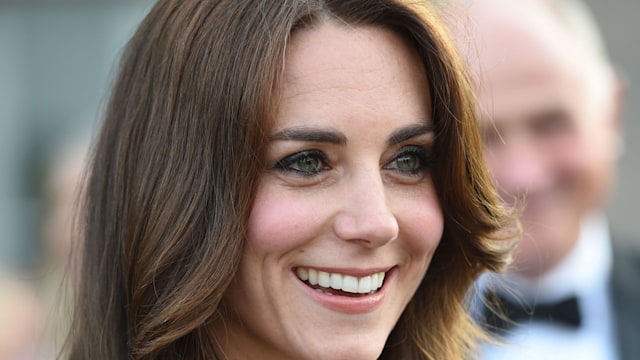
341	284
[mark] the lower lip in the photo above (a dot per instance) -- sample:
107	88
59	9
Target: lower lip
349	305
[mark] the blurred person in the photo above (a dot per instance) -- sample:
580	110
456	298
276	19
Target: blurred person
61	190
61	193
35	307
34	311
20	317
549	102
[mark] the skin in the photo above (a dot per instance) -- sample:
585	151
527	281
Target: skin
366	203
554	150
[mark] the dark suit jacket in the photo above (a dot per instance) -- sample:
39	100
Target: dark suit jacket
625	291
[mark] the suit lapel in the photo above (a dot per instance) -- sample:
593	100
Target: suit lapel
625	290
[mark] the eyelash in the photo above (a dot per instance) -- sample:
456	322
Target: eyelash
422	154
288	164
291	163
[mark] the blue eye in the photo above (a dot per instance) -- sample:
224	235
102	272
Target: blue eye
411	160
306	163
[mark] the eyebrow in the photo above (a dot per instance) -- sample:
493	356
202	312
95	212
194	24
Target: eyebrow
336	137
404	134
310	135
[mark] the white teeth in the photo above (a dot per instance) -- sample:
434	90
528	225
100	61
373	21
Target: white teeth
323	279
347	283
303	274
313	277
374	280
350	284
336	281
364	285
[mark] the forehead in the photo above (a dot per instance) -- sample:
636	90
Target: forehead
525	65
524	90
331	51
356	72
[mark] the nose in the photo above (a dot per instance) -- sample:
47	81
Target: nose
365	216
519	167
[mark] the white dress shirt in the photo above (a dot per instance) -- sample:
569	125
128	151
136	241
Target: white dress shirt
584	273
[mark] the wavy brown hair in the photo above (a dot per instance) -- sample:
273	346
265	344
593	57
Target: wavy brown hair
175	168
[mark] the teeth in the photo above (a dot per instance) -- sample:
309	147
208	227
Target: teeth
364	285
313	277
323	291
336	281
323	279
347	283
380	279
303	274
350	284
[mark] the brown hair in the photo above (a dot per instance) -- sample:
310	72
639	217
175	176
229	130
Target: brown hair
176	164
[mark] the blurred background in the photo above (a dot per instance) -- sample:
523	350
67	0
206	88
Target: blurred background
622	36
57	58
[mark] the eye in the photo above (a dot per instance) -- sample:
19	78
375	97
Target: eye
552	123
306	163
411	160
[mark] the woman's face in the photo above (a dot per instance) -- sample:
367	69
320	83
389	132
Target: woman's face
346	217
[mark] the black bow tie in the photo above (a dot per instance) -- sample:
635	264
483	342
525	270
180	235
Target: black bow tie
565	313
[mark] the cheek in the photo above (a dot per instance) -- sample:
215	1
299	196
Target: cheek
578	158
566	153
280	221
421	222
594	164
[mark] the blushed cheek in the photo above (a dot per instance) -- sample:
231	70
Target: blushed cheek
422	223
279	222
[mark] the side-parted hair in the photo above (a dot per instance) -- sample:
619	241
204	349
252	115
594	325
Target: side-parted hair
175	168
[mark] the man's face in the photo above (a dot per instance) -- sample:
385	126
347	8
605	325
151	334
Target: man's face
550	137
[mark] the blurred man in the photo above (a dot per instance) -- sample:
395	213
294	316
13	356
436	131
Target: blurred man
549	104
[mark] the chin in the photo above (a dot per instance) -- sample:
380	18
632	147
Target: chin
356	353
356	347
543	248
